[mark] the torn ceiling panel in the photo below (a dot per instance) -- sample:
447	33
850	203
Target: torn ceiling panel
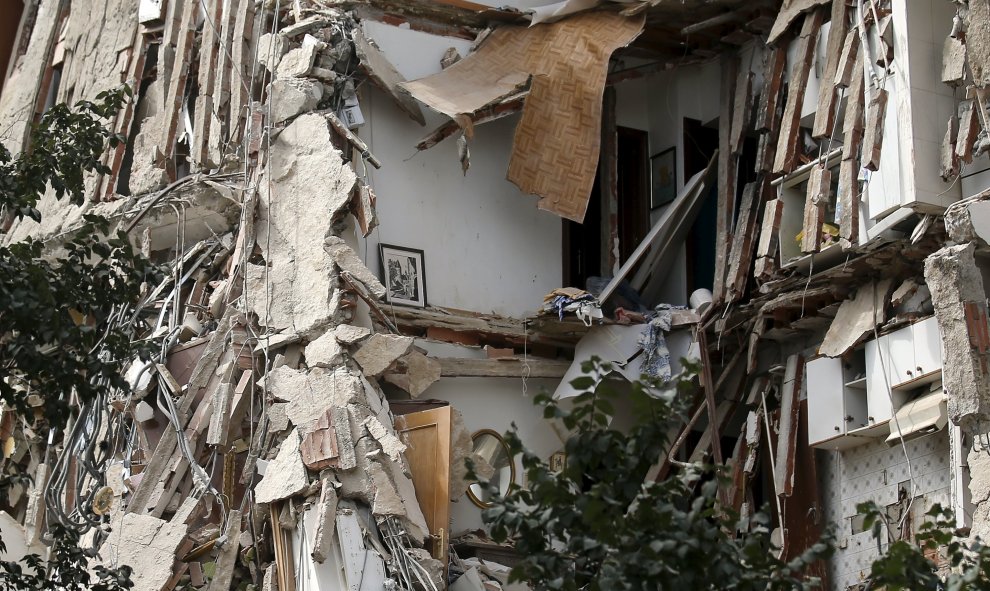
555	152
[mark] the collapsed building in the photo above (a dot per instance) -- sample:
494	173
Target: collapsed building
793	194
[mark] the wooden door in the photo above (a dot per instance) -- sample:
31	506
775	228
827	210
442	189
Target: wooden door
427	435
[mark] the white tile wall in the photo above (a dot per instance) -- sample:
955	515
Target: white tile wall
872	472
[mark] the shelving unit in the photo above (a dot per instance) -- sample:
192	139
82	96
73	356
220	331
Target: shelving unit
852	400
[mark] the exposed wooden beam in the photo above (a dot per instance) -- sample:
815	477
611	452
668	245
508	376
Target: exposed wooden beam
510	367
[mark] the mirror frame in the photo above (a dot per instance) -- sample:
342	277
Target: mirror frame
512	467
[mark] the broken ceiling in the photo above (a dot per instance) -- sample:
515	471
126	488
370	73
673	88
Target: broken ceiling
564	66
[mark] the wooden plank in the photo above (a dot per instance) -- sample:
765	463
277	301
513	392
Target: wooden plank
847	61
219	427
608	184
788	146
225	75
505	367
852	123
508	106
949	162
726	174
743	239
240	56
708	385
852	136
789	12
814	208
125	118
789	425
848	199
284	563
876	114
741	109
968	130
176	87
772	213
773	84
227	560
209	50
827	92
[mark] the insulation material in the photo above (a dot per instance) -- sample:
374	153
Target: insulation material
557	142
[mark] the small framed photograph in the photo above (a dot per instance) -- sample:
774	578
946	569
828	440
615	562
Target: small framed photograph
404	270
663	168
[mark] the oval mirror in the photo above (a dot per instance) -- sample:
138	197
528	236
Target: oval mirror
492	463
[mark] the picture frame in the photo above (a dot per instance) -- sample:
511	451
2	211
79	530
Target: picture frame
663	174
403	274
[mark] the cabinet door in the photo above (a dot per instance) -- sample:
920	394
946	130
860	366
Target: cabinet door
927	346
900	347
877	388
826	415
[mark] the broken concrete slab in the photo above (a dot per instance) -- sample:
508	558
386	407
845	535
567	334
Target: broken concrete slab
391	445
326	518
410	514
959	299
381	351
348	261
857	317
415	373
381	71
348	334
298	289
297	62
278	418
966	223
292	96
285	476
324	351
310	393
144	540
271	48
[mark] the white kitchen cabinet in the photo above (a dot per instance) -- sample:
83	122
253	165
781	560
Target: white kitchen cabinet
899	362
826	412
878	376
927	349
912	356
837	404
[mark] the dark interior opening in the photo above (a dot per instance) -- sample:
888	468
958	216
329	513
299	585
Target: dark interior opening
11	21
583	242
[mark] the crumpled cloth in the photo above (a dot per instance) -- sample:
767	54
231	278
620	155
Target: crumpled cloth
584	305
656	356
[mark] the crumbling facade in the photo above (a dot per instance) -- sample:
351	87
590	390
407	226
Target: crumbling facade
361	283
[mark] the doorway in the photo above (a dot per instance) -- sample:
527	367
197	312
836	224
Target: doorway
583	242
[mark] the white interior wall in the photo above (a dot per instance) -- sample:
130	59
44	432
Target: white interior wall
487	247
492	403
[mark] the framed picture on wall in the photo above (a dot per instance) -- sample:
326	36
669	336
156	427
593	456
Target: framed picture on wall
663	170
404	275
